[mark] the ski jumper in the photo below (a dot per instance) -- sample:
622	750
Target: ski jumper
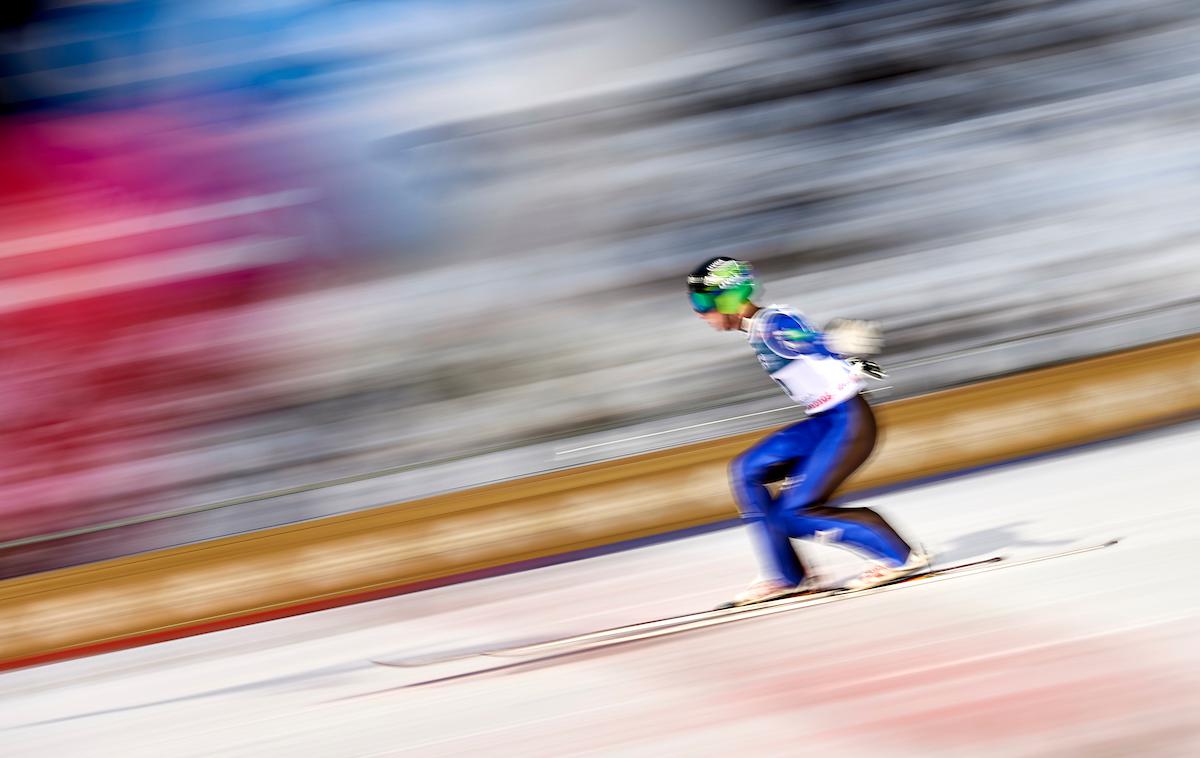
812	457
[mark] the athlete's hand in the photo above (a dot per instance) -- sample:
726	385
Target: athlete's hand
853	337
864	367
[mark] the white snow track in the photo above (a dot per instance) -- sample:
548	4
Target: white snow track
1093	654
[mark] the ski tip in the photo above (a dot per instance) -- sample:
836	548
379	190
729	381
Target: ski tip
398	664
1112	542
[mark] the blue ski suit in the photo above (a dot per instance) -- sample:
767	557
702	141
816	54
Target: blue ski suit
812	457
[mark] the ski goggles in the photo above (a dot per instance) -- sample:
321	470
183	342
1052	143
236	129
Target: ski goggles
728	301
703	302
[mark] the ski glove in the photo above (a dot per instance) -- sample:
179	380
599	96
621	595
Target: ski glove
853	337
864	367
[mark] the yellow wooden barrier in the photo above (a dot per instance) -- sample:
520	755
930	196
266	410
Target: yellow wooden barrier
345	556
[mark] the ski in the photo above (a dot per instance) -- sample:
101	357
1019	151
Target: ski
639	626
514	648
657	627
575	644
719	615
617	633
535	654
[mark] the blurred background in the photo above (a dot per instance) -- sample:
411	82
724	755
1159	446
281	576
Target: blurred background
268	260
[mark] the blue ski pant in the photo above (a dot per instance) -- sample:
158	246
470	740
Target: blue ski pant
815	456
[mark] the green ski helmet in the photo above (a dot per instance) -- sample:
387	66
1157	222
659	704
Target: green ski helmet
721	284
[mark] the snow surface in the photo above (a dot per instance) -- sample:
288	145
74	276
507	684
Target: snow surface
1094	654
